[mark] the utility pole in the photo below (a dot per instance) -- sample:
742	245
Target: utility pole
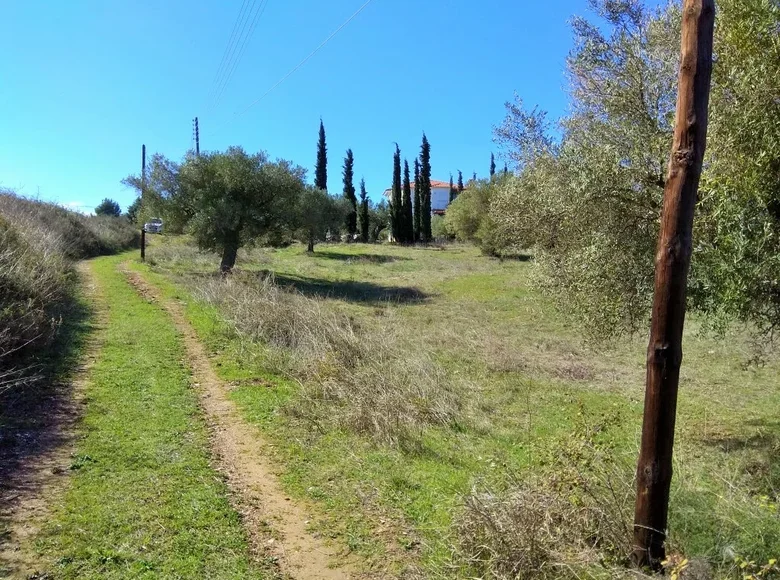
672	261
197	138
143	190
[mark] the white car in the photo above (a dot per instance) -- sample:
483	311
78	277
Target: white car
154	226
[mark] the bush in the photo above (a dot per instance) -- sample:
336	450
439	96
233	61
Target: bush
38	244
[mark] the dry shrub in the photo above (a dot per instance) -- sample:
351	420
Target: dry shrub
38	243
350	377
572	520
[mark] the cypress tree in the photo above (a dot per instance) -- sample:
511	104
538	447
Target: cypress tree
492	165
363	212
506	169
474	177
425	189
408	217
460	182
417	201
321	171
395	202
453	191
349	193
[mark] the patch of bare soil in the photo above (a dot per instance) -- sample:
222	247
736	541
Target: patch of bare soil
277	525
36	451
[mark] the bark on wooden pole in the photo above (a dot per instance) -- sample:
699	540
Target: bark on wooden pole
672	261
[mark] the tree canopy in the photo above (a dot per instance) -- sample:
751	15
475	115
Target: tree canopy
108	207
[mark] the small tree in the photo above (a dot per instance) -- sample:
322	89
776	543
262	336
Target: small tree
236	197
108	207
460	182
379	219
395	202
408	216
425	189
417	201
321	171
133	210
453	191
317	214
364	219
349	194
492	165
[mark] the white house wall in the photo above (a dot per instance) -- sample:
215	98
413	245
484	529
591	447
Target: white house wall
440	198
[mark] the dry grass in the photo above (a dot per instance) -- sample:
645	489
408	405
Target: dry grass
350	376
38	244
575	520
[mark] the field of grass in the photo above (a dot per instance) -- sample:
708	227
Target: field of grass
535	405
142	500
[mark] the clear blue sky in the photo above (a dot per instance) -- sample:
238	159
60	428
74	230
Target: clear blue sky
83	84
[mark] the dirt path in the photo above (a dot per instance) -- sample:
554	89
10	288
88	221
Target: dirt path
35	464
277	526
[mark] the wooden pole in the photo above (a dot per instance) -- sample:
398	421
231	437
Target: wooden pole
672	261
143	244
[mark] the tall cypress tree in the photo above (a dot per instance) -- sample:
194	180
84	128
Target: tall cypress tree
363	212
425	189
321	171
408	218
395	202
506	169
474	177
349	193
417	201
460	182
453	191
492	165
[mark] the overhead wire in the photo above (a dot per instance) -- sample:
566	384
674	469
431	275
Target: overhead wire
295	68
228	50
258	14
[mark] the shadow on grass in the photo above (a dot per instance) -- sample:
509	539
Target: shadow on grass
37	417
517	258
762	449
368	258
351	290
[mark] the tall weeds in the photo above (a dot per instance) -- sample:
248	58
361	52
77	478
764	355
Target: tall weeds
38	244
350	377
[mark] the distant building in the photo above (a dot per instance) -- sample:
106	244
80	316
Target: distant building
440	196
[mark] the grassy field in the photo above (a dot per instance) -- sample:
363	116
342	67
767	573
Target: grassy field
143	500
533	412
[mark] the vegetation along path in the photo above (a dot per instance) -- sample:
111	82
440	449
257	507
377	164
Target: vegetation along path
142	498
276	525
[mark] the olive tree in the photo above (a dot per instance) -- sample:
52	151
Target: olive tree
235	198
318	213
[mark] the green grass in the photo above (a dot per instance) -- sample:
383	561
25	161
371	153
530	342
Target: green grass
143	501
531	381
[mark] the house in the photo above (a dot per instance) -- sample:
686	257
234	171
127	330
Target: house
440	196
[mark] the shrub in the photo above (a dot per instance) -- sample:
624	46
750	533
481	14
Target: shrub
38	244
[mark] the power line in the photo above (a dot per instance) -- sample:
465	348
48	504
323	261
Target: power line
228	49
258	14
248	15
298	66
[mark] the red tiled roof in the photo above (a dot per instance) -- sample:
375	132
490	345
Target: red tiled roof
434	184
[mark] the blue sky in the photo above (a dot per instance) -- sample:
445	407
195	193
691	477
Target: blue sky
84	83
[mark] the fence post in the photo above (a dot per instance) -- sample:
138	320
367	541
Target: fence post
143	245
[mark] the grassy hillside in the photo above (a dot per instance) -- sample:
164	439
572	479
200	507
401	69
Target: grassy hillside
39	243
445	416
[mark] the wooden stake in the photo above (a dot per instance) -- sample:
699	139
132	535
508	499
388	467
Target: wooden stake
143	244
673	257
